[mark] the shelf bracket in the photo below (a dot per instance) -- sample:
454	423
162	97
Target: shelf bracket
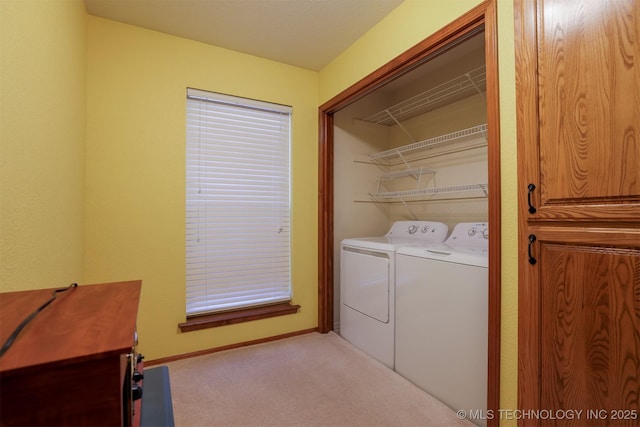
418	178
468	75
400	126
406	164
413	216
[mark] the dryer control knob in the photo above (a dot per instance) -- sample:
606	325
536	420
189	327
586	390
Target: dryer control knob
485	233
471	232
412	229
425	229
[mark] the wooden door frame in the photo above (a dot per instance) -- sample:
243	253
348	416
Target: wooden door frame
528	162
483	14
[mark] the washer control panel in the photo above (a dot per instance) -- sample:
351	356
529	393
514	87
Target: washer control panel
473	234
420	230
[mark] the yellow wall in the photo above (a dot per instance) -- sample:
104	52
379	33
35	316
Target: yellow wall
133	219
135	173
408	24
508	190
42	135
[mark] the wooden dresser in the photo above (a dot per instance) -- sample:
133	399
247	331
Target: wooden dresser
68	366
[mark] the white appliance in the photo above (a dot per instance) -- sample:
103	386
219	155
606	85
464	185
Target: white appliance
442	317
367	297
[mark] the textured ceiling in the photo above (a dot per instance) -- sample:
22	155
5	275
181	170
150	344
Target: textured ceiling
304	33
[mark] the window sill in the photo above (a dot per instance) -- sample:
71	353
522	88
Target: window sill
238	316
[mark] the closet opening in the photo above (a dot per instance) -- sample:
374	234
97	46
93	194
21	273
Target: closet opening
417	140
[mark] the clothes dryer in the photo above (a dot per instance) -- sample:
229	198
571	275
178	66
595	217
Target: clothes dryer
442	317
367	290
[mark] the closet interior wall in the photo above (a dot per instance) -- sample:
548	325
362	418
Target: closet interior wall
358	177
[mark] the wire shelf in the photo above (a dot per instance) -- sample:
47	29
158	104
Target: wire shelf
463	191
465	135
407	172
455	89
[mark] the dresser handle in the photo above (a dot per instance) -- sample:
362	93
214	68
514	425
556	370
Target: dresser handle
532	238
531	187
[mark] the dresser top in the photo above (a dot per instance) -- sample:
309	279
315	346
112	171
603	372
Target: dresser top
86	322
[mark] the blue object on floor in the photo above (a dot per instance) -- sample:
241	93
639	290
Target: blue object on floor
157	410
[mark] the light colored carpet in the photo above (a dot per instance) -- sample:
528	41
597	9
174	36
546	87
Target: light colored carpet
308	380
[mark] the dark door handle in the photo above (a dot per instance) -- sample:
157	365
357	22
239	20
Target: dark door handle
532	239
530	187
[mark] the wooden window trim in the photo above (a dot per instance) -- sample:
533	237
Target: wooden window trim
213	320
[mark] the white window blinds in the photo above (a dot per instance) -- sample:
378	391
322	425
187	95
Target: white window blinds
238	202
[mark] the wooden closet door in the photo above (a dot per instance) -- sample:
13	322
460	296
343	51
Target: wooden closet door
585	85
578	112
585	361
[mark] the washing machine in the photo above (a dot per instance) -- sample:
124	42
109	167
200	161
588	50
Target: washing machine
367	273
442	317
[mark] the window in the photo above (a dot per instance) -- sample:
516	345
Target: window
237	203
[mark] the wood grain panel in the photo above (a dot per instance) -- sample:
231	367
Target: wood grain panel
87	393
495	258
528	173
589	85
589	234
578	113
87	322
67	366
595	211
590	302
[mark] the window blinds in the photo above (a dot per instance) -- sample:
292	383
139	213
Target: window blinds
237	202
